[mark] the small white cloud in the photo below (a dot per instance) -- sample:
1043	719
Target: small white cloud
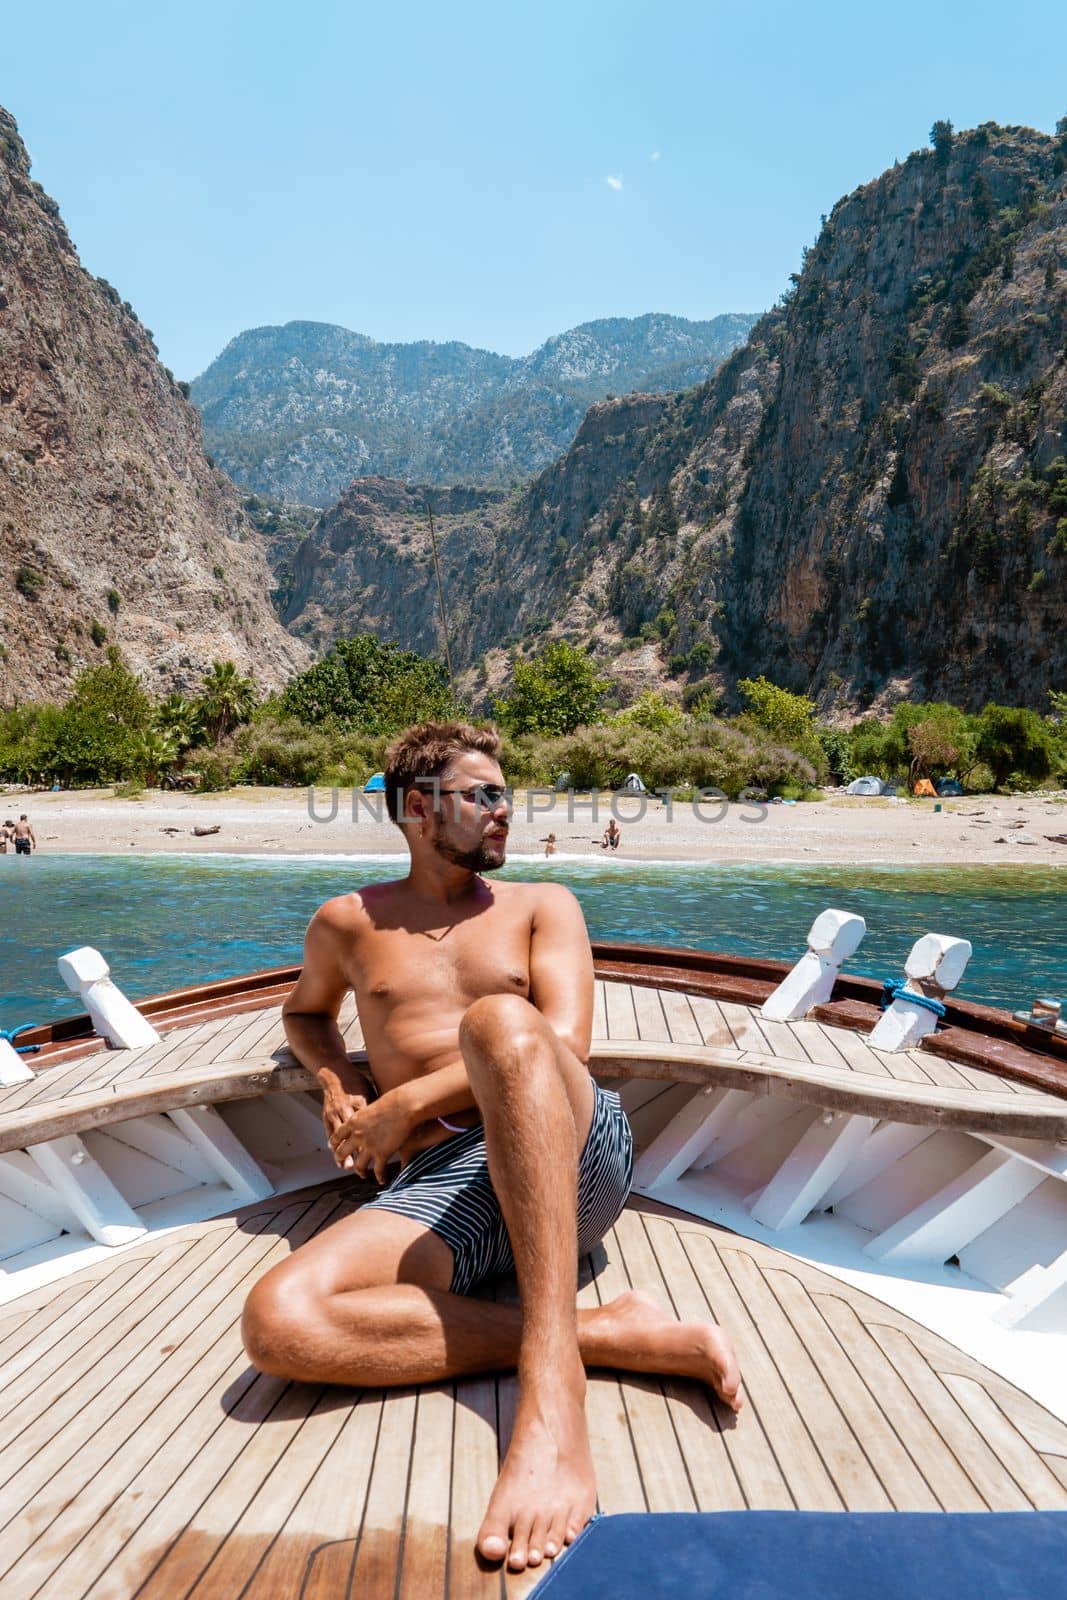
654	156
614	183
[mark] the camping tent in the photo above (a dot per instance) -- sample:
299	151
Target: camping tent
949	786
926	788
375	785
633	784
867	785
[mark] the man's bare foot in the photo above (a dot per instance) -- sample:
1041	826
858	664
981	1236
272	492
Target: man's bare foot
649	1339
546	1491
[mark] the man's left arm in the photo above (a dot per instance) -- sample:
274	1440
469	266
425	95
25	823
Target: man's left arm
561	968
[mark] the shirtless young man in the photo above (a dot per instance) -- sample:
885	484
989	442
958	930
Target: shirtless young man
476	1001
23	836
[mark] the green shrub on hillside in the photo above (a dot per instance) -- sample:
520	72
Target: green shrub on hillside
789	718
95	738
554	693
365	685
650	710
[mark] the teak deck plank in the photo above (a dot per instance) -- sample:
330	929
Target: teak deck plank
714	1028
619	1486
185	1473
662	1466
684	1028
648	1006
698	1419
622	1018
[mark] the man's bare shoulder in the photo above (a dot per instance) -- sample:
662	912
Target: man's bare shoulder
543	900
350	913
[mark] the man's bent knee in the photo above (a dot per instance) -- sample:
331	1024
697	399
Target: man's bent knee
277	1320
501	1024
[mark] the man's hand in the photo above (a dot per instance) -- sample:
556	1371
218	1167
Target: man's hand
372	1134
338	1107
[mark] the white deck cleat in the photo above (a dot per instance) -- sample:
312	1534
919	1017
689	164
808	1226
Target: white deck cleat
832	938
113	1016
934	967
13	1069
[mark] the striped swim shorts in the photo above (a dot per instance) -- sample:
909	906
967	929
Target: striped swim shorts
449	1189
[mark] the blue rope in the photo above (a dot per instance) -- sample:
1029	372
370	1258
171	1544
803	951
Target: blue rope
10	1035
893	989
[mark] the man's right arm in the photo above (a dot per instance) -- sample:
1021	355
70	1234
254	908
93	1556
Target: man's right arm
310	1018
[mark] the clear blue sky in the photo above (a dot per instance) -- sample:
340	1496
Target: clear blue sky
441	170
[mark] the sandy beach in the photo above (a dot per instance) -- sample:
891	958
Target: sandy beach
837	831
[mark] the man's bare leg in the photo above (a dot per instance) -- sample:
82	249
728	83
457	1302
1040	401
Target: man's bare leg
344	1309
536	1104
302	1322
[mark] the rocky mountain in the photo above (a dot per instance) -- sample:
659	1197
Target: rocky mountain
115	529
867	501
295	413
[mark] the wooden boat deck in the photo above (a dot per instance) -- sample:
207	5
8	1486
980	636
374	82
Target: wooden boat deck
639	1030
142	1455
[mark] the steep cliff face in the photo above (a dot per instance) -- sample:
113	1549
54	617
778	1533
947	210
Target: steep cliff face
512	564
113	527
296	412
867	501
901	525
367	565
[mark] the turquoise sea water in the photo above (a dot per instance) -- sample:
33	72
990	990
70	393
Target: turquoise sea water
164	922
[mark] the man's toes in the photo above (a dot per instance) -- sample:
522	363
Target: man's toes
518	1555
554	1537
492	1538
537	1544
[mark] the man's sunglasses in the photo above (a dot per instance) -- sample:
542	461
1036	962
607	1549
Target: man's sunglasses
483	794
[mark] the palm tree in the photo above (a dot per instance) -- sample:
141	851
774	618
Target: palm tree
153	755
177	719
227	699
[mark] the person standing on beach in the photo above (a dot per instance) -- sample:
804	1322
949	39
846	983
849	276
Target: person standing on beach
476	999
7	831
23	835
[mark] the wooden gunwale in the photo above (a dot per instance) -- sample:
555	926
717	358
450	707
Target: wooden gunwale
979	1036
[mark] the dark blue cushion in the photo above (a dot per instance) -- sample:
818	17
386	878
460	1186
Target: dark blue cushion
809	1555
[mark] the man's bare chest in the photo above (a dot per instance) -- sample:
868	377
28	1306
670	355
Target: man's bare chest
448	966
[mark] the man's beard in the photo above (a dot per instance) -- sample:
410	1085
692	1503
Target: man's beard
480	859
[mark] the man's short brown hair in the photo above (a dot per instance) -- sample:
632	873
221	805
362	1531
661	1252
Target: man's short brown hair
426	751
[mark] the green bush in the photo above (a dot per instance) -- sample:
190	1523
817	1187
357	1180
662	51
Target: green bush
837	748
1015	744
554	693
369	687
214	765
96	736
281	753
650	710
706	754
29	582
97	632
